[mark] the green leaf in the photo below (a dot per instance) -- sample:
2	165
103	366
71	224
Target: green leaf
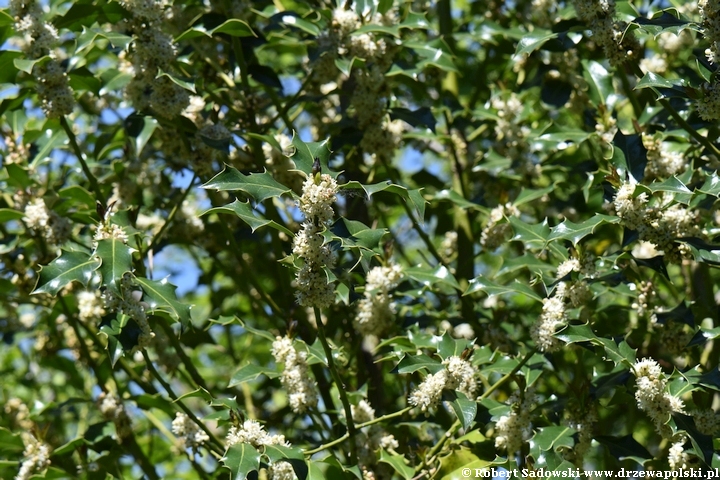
449	346
249	215
672	185
482	284
345	65
599	80
7	214
532	41
575	232
434	54
532	235
357	234
68	267
186	84
53	137
429	277
8	70
464	408
529	194
413	363
26	65
625	447
245	374
234	28
398	464
260	186
293	455
241	458
116	259
306	153
629	155
651	79
550	438
160	295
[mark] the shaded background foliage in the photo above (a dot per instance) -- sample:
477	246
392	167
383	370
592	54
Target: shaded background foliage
481	146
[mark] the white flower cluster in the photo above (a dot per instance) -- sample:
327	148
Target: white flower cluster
281	470
111	408
583	425
153	51
313	289
512	132
302	391
371	438
109	231
129	303
658	225
376	310
90	306
708	105
661	162
609	34
651	394
18	413
16	150
710	12
574	293
707	421
54	228
253	433
39	38
458	375
678	458
495	233
189	434
513	429
645	303
36	457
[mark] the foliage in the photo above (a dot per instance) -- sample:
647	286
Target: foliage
374	239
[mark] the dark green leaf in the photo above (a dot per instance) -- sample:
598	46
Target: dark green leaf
599	80
625	447
550	438
241	458
482	284
429	277
629	155
398	464
161	296
245	374
413	363
68	267
260	186
532	41
8	70
249	215
422	116
575	232
465	409
116	259
234	28
306	153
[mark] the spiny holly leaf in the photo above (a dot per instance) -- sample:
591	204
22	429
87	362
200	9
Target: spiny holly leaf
629	155
398	464
550	438
241	458
68	267
161	296
306	153
575	232
599	80
491	288
123	334
249	215
116	259
260	186
464	408
428	276
293	456
625	447
246	373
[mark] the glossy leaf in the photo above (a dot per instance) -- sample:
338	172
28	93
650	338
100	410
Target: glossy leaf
161	296
482	284
241	459
260	186
398	463
249	215
116	258
68	267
